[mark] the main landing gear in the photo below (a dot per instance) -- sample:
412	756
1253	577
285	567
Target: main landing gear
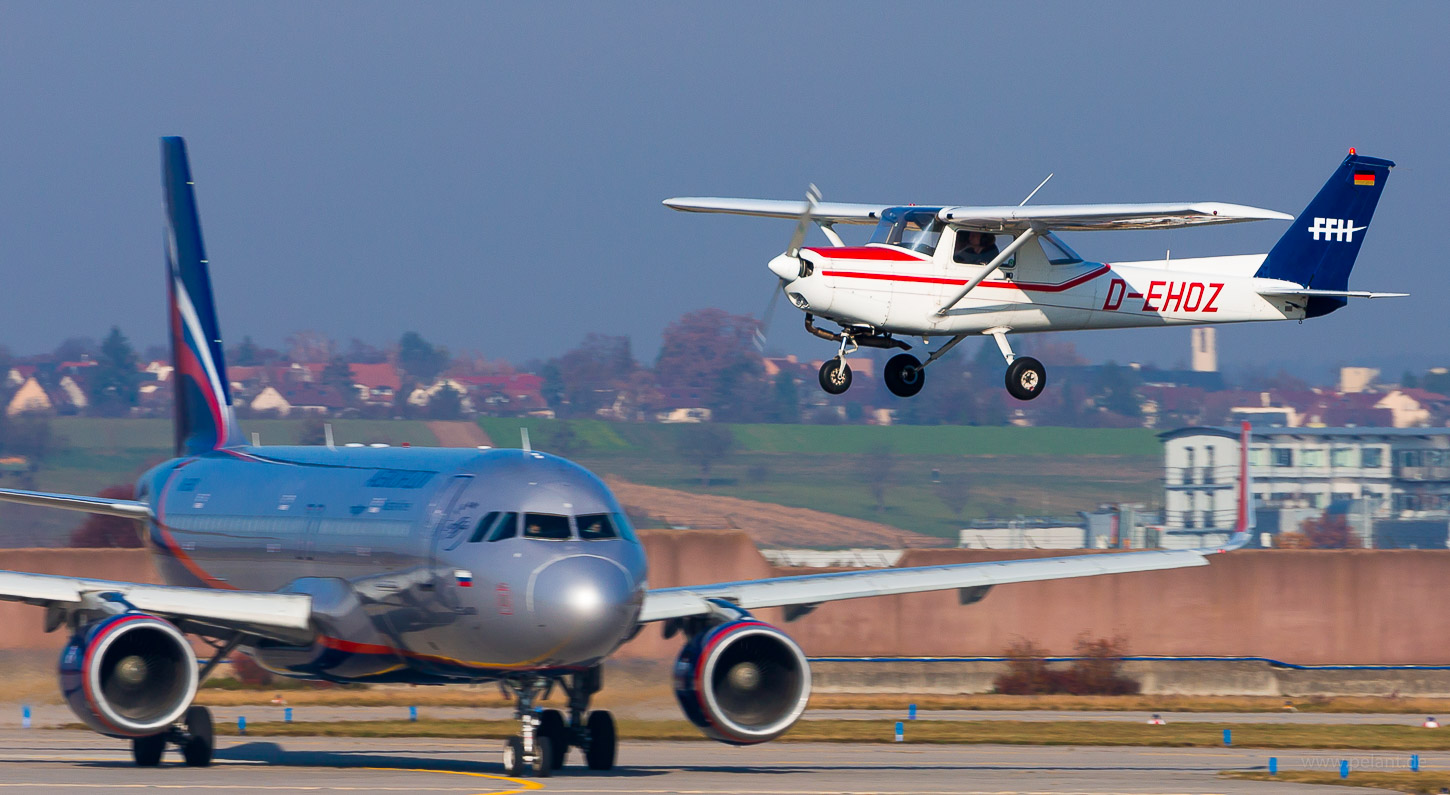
195	737
905	375
545	736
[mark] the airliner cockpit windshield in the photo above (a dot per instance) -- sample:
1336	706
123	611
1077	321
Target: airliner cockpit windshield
501	525
916	228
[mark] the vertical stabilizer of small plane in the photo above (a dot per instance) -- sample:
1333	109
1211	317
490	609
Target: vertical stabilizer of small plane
1319	250
204	416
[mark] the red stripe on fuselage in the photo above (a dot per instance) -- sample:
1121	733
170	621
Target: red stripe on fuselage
1024	286
868	252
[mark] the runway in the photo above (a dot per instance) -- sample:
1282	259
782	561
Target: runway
42	761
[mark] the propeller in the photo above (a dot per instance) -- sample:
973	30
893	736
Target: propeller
787	266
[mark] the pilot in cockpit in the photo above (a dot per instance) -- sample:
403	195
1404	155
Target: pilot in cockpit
975	248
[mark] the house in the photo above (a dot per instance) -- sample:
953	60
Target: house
30	398
271	400
376	383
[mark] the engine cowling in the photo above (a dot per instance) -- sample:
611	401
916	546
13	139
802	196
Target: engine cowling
128	675
742	682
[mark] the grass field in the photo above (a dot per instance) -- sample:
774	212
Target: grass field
1096	733
1004	472
1428	781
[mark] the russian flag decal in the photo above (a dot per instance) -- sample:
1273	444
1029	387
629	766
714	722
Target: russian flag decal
463	578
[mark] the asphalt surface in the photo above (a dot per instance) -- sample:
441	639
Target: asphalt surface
44	761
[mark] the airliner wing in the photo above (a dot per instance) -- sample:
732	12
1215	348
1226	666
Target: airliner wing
126	509
1093	217
814	589
285	617
826	212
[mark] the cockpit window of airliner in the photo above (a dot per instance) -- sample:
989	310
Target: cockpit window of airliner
918	230
484	525
547	526
595	526
507	526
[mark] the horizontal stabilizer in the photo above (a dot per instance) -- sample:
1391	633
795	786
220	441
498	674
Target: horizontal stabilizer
126	509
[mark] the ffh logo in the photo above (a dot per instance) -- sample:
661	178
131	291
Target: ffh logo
1334	229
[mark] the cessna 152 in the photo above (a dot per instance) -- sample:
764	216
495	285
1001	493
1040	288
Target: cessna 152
954	272
421	566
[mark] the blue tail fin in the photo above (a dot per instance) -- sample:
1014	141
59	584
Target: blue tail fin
1319	250
204	417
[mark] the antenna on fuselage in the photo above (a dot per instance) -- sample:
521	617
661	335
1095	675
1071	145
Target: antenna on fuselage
327	435
1035	190
524	437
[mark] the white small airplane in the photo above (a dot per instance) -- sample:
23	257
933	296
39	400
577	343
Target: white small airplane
933	272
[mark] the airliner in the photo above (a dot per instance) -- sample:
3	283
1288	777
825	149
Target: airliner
420	566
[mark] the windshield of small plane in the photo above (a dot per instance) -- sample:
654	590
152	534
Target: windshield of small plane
909	227
1057	251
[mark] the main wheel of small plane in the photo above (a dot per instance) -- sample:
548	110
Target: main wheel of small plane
835	376
602	740
200	741
513	756
1025	378
551	725
543	757
904	375
147	750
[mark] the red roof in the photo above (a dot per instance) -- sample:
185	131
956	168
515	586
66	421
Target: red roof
374	376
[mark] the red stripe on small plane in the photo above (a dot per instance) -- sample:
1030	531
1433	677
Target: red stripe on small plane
867	252
1030	287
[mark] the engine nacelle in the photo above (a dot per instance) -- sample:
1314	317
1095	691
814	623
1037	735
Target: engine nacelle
129	675
742	682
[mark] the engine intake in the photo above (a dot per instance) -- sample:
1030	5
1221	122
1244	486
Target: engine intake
129	675
742	682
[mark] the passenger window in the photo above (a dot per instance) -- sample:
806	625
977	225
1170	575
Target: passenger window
595	526
484	525
547	526
507	527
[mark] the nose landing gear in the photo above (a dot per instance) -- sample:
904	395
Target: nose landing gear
545	737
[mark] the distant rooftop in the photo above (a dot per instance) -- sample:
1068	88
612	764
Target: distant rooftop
1262	431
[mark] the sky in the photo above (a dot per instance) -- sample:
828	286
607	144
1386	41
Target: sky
490	174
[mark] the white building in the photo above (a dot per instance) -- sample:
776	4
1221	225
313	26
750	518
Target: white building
1395	472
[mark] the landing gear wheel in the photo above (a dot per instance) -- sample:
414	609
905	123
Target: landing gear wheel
147	750
835	376
543	757
551	725
904	375
602	743
513	756
200	741
1025	378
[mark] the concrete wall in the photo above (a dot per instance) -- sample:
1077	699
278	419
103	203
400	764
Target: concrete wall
1299	606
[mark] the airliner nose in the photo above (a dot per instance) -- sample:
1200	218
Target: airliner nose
585	604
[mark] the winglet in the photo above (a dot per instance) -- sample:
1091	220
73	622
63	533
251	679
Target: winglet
1245	523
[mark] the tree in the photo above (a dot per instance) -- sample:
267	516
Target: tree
359	352
705	445
115	378
446	404
337	375
785	404
75	349
590	377
247	354
29	436
1409	380
1117	390
712	351
420	360
1329	531
309	346
109	531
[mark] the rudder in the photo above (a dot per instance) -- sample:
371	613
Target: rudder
1319	250
204	416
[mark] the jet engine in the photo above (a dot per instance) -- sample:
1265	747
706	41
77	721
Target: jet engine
742	682
130	675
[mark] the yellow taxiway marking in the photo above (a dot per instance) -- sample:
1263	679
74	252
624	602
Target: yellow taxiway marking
520	785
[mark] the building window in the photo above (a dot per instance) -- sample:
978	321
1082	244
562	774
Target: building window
1312	457
1208	473
1371	457
1189	514
1258	456
1188	467
1342	457
1283	456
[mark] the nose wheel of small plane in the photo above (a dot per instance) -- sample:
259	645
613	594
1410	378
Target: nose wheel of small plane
904	375
1026	378
835	376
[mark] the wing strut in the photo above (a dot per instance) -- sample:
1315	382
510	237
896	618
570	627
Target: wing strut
1017	242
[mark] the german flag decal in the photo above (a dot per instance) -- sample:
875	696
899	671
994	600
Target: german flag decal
1364	177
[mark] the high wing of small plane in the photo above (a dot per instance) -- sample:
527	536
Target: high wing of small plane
952	272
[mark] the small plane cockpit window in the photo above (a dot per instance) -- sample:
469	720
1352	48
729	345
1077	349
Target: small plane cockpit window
547	526
918	230
507	526
484	525
1058	252
595	526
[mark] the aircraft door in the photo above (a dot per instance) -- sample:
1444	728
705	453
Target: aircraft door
452	518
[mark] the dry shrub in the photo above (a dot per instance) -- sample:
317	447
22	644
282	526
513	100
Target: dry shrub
1096	672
